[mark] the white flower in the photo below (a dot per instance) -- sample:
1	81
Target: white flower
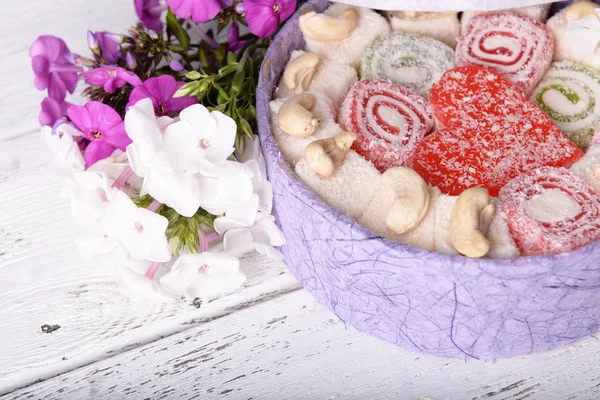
230	188
583	35
205	275
113	167
201	139
65	149
89	192
131	274
148	158
91	238
261	236
139	231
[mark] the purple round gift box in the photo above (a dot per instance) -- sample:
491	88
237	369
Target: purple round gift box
423	301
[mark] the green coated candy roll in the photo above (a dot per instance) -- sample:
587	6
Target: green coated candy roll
412	61
570	95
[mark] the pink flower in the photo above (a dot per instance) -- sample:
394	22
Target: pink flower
198	10
52	111
102	126
264	16
111	77
148	11
161	90
109	46
53	66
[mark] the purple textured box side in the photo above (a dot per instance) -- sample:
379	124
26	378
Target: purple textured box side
427	302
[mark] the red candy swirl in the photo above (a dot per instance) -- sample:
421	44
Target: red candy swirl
551	211
389	121
518	47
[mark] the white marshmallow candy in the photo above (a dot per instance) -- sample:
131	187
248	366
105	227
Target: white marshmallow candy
538	12
444	27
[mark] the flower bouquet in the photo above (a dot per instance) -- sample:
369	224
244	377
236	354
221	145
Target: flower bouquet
161	160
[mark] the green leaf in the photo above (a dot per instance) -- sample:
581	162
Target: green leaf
231	59
177	29
188	89
237	83
193	75
223	96
245	128
227	69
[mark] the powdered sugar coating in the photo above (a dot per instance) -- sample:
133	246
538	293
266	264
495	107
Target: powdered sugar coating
412	61
389	121
494	134
568	220
570	95
517	46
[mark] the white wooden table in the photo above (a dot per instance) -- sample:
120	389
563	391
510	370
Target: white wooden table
269	340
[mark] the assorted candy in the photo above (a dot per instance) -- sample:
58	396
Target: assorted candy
505	120
390	121
517	46
570	95
493	134
412	61
551	211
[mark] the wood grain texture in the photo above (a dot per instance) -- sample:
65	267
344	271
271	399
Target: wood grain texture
290	348
44	281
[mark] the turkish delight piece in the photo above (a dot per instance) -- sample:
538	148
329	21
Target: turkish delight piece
411	61
348	50
588	168
443	211
374	218
538	12
350	189
570	95
518	47
442	26
331	78
564	48
551	211
389	121
292	148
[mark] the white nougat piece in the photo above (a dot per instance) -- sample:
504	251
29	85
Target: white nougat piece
445	28
349	51
292	148
375	216
539	12
502	245
331	78
562	49
350	189
588	168
443	210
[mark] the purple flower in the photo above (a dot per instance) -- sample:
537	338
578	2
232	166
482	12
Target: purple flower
233	38
52	111
264	16
109	46
199	10
111	77
102	126
161	91
52	68
148	11
176	66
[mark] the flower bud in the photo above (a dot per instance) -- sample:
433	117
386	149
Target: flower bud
93	42
131	61
239	8
153	35
176	66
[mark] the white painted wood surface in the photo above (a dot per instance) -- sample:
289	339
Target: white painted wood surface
289	348
113	345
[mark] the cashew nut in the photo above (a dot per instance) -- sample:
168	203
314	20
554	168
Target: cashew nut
580	10
470	221
299	72
325	156
323	27
295	117
412	199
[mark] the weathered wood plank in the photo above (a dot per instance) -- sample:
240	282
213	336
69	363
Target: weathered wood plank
289	348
